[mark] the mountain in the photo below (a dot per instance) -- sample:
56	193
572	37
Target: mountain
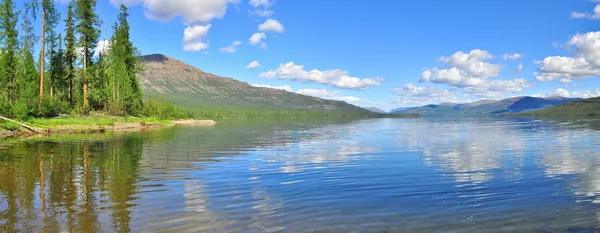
487	107
190	87
375	109
578	108
396	110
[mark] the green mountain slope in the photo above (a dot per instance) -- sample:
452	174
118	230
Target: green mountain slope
190	87
579	108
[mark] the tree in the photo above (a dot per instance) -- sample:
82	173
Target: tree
87	27
50	20
27	72
70	54
8	57
123	65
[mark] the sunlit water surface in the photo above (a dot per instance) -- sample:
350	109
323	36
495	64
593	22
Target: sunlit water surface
375	175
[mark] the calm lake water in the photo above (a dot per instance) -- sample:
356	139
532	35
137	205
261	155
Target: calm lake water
374	175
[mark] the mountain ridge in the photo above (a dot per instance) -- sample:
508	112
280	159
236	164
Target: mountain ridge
190	87
490	107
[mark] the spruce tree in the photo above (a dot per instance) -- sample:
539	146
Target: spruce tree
70	53
87	27
8	58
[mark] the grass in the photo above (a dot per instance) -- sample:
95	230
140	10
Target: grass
89	121
7	125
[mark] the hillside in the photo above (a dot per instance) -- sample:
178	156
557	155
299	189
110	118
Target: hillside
487	107
190	87
578	108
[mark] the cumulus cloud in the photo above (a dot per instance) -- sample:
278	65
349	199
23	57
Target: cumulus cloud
195	14
332	95
192	12
258	39
473	73
584	62
193	38
410	95
512	57
232	48
283	87
338	78
253	65
571	94
271	25
584	15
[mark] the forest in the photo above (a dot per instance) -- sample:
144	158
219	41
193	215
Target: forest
67	75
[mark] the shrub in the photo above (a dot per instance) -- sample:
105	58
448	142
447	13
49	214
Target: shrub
49	107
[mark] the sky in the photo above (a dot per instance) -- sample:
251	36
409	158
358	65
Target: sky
379	53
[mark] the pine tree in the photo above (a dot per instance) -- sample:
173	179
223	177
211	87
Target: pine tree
87	27
8	23
70	53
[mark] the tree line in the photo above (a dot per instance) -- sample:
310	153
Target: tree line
68	76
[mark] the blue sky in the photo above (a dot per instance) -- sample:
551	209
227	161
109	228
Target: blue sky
379	52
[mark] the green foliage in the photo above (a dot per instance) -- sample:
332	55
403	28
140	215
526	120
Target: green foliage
8	58
21	110
49	107
163	110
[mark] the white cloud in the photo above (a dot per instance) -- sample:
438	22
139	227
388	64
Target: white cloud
579	15
261	7
473	73
232	48
338	78
512	57
102	47
260	3
571	94
261	12
582	15
584	62
258	39
193	38
410	95
253	65
518	70
271	25
283	87
194	13
332	95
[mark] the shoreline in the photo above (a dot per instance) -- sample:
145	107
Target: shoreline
93	125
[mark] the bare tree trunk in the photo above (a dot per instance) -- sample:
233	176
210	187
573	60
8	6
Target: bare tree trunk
42	59
21	124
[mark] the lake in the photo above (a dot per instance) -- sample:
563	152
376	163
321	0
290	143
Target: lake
371	175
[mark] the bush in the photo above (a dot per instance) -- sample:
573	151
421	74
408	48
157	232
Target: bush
21	110
5	107
115	109
49	107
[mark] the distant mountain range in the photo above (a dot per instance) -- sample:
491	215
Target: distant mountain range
190	87
375	109
487	107
578	108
